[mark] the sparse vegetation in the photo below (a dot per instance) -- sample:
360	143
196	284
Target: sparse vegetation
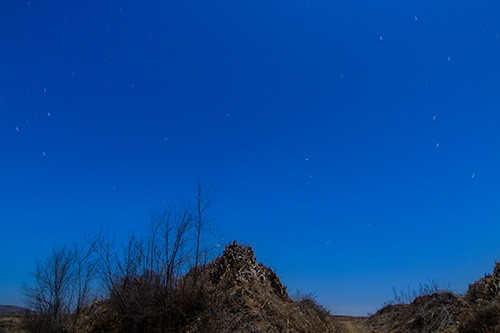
153	284
233	293
438	312
10	322
61	286
406	297
143	283
139	283
484	297
161	282
478	311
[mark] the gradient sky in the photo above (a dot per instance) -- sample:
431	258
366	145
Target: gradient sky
354	144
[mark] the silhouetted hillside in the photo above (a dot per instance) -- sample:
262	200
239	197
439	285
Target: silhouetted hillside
10	309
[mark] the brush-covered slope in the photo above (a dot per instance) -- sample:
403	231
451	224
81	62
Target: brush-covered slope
233	293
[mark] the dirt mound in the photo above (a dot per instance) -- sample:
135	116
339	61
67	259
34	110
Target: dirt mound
239	267
440	312
247	296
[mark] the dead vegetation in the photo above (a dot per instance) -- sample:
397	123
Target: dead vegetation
162	283
484	297
478	311
440	312
246	296
233	293
10	323
236	293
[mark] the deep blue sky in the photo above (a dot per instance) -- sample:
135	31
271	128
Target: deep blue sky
354	144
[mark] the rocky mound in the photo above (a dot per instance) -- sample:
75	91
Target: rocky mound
238	268
247	296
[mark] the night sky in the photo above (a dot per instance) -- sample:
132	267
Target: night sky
354	144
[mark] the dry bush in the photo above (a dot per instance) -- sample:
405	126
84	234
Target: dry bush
484	319
42	322
311	308
484	297
477	312
140	303
142	279
485	289
440	312
98	317
144	304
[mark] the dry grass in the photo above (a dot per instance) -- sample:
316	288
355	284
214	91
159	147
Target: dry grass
440	312
10	323
478	311
484	297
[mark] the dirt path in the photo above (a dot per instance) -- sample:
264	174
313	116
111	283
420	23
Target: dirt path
353	324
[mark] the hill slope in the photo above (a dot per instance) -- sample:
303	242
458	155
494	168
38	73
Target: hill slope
10	309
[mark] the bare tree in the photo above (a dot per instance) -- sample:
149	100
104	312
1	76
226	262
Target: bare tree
203	203
118	268
51	295
86	265
107	264
61	285
142	280
175	258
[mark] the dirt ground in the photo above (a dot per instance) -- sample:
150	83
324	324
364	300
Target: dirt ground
353	324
